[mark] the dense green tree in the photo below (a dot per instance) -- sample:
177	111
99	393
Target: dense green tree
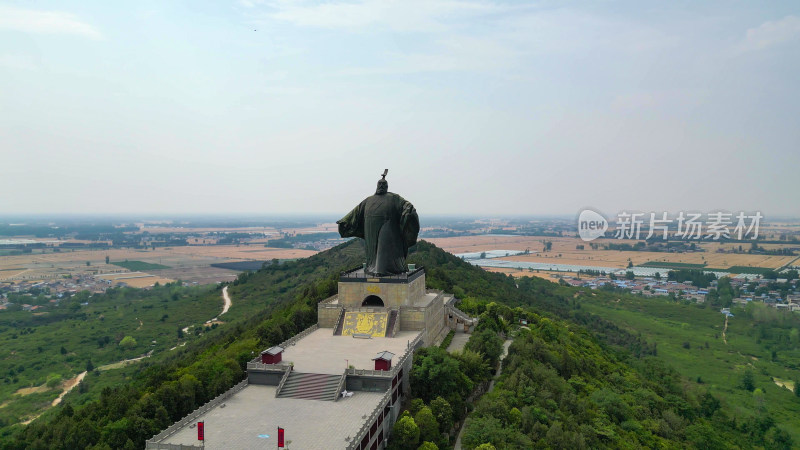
702	435
758	399
443	413
428	426
428	446
514	416
473	365
405	433
612	404
127	343
748	381
778	439
709	404
416	405
482	430
487	343
435	372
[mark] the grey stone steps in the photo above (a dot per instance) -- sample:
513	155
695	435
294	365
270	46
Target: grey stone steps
390	323
340	324
311	386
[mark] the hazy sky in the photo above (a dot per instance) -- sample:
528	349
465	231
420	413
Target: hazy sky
475	106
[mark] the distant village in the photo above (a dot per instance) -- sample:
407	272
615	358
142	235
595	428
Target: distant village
749	290
39	295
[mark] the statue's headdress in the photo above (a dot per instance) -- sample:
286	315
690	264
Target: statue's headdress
383	185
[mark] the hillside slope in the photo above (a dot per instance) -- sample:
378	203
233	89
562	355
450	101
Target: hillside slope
568	385
577	380
271	305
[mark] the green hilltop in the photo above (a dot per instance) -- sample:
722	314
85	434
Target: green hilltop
575	376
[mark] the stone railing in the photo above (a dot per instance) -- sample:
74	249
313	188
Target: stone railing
358	274
413	344
292	340
356	440
154	442
173	446
341	386
460	314
329	300
370	372
368	309
409	354
257	364
283	380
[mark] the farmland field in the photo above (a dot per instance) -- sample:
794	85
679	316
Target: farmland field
139	265
564	251
188	263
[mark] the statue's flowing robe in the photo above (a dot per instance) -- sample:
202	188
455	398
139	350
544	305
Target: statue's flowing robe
389	225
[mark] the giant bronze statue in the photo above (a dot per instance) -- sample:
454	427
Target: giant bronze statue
389	226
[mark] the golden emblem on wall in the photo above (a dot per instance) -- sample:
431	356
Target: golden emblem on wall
373	324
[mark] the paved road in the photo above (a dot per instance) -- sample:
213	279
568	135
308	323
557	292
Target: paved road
459	341
506	344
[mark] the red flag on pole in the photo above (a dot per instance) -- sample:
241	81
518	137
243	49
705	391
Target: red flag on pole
280	437
200	431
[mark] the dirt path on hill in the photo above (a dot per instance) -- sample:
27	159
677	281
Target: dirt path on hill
124	362
785	384
227	299
725	339
67	385
225	307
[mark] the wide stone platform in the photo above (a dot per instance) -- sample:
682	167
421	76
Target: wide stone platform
321	352
254	413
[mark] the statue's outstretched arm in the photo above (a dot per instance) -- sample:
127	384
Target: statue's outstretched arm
352	225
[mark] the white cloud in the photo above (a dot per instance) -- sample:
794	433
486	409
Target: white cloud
769	34
394	15
49	22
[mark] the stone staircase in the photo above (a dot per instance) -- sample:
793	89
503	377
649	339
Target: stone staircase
339	324
310	386
390	325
